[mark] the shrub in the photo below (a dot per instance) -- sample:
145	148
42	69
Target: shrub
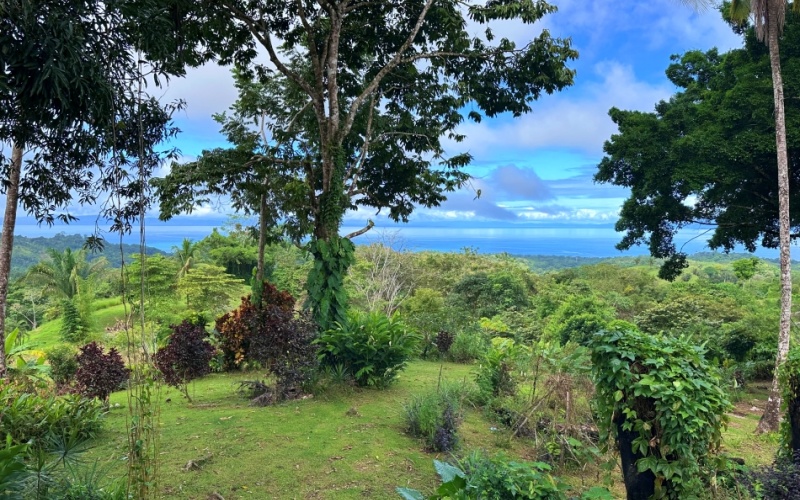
38	419
286	347
99	374
497	478
272	335
237	328
468	345
373	347
661	401
186	356
444	341
435	417
495	376
63	365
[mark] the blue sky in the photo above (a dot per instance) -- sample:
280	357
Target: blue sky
538	167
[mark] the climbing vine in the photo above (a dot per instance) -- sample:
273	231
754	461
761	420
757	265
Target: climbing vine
662	403
327	297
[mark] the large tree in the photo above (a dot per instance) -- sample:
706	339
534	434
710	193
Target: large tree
769	17
709	156
376	87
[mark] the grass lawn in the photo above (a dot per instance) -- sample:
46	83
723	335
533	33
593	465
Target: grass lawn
343	444
346	443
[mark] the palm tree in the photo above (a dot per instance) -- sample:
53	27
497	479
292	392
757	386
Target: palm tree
185	256
769	17
63	273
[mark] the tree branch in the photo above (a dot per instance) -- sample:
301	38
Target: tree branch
351	114
361	231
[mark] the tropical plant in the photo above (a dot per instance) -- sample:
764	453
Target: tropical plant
495	375
373	348
661	401
186	356
99	374
435	416
185	256
63	365
37	420
26	365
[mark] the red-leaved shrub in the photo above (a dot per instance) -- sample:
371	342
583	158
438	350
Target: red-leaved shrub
99	374
186	356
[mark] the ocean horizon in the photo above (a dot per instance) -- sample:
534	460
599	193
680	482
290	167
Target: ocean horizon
574	240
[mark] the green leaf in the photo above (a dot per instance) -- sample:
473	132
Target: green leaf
410	494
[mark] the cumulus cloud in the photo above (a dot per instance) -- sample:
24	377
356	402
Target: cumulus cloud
569	119
514	183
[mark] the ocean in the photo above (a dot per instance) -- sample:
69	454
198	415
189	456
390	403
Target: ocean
575	240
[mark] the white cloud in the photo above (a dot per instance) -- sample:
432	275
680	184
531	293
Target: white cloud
568	120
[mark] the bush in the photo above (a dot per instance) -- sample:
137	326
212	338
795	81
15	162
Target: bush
495	376
373	348
780	481
497	478
662	402
444	341
468	345
435	417
186	356
99	374
63	365
237	328
37	419
273	336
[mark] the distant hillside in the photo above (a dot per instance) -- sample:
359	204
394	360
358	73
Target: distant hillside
29	251
544	263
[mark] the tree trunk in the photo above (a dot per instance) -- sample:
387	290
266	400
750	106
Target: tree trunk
770	420
262	239
7	242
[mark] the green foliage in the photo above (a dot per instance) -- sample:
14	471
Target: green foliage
373	347
63	365
326	293
13	471
31	418
719	121
469	344
74	328
578	318
745	268
664	391
208	288
26	366
495	376
497	478
485	295
789	449
435	416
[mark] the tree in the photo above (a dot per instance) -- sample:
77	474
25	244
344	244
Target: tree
209	288
185	255
373	100
65	96
710	141
769	18
70	277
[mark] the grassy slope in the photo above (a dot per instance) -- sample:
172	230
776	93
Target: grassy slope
106	313
344	444
340	445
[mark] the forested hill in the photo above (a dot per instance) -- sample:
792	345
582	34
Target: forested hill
29	251
544	263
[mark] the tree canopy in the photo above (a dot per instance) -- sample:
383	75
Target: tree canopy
707	155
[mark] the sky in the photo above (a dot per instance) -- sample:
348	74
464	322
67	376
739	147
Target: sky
538	167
